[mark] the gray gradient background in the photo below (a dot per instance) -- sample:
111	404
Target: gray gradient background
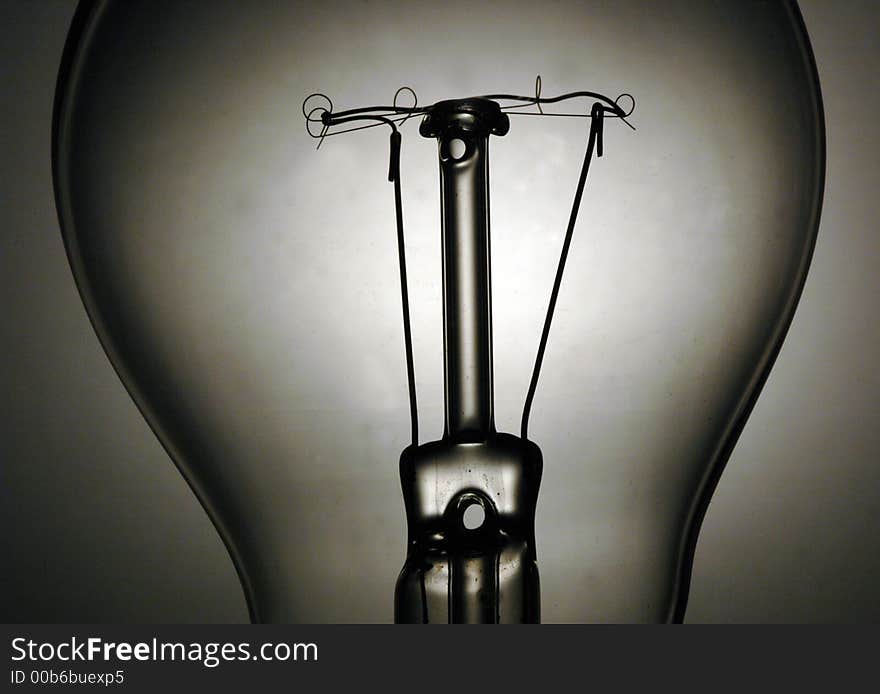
99	526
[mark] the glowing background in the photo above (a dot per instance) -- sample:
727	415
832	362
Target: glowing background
80	457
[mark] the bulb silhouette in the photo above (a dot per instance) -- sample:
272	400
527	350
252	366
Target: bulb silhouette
245	286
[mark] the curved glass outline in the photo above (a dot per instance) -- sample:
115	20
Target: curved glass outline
84	21
750	396
82	24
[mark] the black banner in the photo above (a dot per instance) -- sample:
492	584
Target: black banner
137	658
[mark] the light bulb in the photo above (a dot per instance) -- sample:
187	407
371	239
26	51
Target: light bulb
246	287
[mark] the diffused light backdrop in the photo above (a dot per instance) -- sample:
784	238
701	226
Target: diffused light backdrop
618	291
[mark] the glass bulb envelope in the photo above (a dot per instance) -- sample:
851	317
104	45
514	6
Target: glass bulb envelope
245	286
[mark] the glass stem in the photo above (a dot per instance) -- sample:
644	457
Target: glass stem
467	302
